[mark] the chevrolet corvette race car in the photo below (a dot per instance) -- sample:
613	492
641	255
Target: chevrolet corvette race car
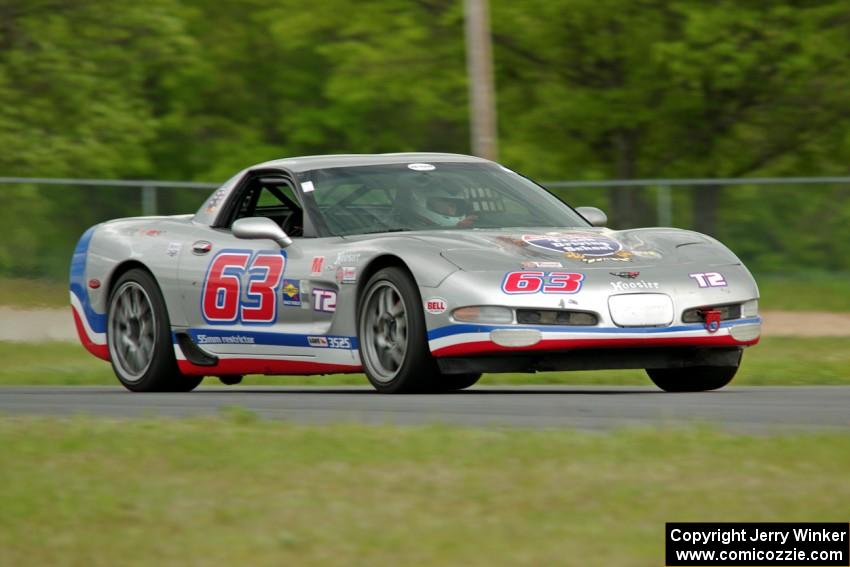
421	270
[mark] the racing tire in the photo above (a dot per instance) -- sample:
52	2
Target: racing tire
692	379
138	336
455	382
393	339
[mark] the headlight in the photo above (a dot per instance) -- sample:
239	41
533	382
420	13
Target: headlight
484	314
750	308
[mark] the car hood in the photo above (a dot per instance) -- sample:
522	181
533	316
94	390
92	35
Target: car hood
585	248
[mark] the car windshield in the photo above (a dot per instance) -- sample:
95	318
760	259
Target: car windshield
433	196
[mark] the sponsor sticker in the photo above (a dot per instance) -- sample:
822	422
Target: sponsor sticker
308	187
708	279
215	200
436	305
347	258
317	265
536	265
421	167
346	274
291	292
594	245
632	286
173	249
203	339
585	247
330	342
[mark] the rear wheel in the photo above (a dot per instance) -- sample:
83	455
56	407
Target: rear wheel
392	335
139	337
693	379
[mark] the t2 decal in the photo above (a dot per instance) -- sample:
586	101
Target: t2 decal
516	283
222	298
324	300
709	279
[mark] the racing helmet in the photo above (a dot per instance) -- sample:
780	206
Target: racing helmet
439	206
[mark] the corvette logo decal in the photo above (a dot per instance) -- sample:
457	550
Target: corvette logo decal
627	275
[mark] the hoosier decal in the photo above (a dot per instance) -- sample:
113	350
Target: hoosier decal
639	284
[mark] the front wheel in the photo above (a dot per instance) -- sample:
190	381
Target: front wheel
139	337
392	335
692	379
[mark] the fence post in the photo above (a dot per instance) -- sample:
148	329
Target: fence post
148	200
664	206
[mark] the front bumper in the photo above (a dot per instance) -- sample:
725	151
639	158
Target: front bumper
481	340
592	359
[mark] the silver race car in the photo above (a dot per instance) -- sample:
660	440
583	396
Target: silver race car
421	270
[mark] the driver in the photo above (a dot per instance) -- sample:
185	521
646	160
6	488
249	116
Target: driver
442	208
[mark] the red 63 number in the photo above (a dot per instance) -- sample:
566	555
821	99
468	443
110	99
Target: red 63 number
516	283
221	299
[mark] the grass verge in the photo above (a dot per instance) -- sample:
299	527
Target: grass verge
776	361
29	294
805	292
237	491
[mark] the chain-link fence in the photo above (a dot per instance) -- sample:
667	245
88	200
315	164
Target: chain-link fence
776	225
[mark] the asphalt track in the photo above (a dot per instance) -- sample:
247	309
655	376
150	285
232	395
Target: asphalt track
756	409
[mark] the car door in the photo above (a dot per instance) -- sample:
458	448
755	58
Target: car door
247	297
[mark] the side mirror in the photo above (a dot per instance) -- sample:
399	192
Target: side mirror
596	217
256	228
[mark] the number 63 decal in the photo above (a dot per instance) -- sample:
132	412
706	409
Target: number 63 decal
516	283
222	299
